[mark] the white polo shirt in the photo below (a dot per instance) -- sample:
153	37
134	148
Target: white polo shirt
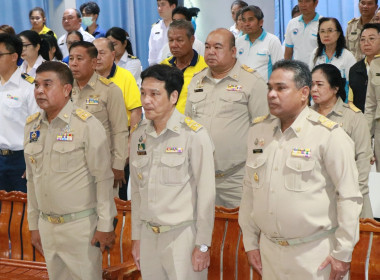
302	37
261	54
157	40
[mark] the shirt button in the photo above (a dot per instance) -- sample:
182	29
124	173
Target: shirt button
275	169
271	213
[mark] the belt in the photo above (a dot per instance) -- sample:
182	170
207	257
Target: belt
9	152
297	241
221	174
161	229
60	219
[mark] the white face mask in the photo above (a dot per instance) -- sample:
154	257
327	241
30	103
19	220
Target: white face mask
87	21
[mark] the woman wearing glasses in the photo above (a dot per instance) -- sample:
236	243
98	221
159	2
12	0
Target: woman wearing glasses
38	21
332	48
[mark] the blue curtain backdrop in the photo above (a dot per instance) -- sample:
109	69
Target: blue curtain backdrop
343	10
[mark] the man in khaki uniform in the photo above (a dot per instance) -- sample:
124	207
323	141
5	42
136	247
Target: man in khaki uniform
301	197
372	106
225	98
367	10
104	100
68	168
173	184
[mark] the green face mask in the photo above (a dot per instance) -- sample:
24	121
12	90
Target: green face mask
87	21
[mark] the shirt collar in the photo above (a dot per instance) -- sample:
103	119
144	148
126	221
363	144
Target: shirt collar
124	58
193	61
91	82
261	37
233	74
113	71
297	127
316	18
64	115
96	31
173	124
328	60
15	78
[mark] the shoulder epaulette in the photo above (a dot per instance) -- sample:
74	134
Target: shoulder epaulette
377	56
352	20
156	22
192	124
260	119
27	78
32	117
354	108
248	69
327	122
132	56
104	80
82	114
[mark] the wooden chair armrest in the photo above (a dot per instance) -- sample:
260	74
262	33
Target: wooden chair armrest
123	271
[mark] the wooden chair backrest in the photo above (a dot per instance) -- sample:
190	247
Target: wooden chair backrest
15	239
228	258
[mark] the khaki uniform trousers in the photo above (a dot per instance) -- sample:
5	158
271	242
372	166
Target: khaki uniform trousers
298	262
229	189
377	144
367	208
168	255
68	250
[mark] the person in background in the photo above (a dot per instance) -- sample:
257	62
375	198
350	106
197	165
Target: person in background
90	14
124	52
55	53
159	32
72	37
35	50
235	7
7	29
296	11
328	93
301	32
376	17
367	9
332	48
358	79
183	13
38	21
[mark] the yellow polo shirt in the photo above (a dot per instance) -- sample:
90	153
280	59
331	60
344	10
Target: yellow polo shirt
127	83
197	64
46	30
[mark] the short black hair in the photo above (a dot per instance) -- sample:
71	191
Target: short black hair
371	26
295	10
302	75
35	39
90	48
61	69
239	3
7	29
333	77
121	35
90	8
171	76
77	33
12	43
376	1
183	24
52	42
37	9
171	2
255	10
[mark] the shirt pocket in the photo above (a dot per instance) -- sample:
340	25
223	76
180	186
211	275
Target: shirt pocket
13	108
256	169
353	38
298	173
33	157
231	103
197	103
94	108
63	157
173	170
141	166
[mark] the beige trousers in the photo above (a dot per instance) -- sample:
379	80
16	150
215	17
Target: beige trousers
168	255
229	189
68	250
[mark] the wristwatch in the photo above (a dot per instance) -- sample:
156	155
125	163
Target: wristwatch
203	248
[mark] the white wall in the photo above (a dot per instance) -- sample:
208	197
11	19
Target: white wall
56	12
217	13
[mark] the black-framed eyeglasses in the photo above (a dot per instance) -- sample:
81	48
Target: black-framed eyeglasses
1	54
26	45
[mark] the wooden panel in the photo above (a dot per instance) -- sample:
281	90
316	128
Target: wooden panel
216	248
359	257
230	249
27	246
5	215
374	259
127	230
243	268
15	229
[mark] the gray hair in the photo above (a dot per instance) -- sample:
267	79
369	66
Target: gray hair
302	75
183	24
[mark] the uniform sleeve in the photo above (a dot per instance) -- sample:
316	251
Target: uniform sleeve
119	127
288	36
190	90
99	165
257	103
135	194
250	231
370	104
33	212
340	164
202	165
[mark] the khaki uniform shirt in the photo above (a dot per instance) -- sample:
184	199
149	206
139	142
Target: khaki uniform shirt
104	100
354	27
226	109
172	176
352	120
72	175
372	107
300	182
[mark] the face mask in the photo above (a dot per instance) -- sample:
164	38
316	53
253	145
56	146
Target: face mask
87	21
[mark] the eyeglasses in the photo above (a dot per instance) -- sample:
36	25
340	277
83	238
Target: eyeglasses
35	18
26	46
370	40
1	54
328	31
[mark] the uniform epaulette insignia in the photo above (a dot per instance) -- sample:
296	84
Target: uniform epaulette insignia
82	114
327	122
377	56
156	22
32	117
248	69
354	108
192	124
132	56
260	119
104	80
27	78
134	127
351	21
